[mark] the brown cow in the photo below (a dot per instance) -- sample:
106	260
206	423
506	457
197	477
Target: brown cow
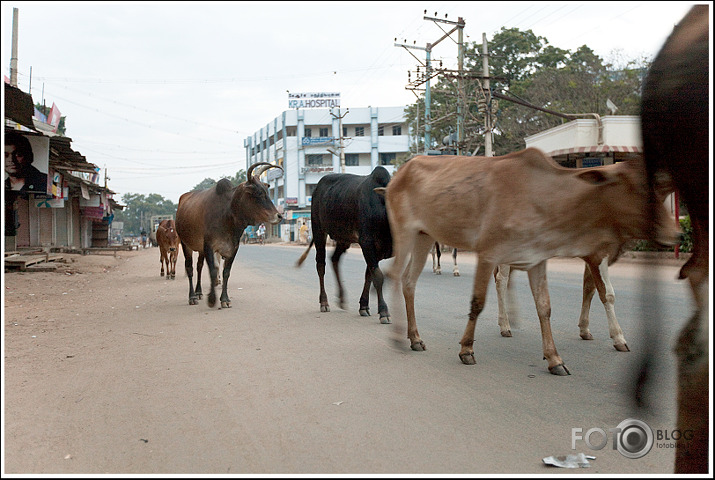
675	125
168	241
211	221
516	209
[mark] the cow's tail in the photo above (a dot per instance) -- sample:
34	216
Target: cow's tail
305	254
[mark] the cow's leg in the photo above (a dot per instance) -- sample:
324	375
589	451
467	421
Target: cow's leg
607	294
172	260
188	266
455	270
319	241
365	296
199	269
161	259
340	248
217	259
420	250
227	263
501	281
479	295
589	288
436	254
213	273
540	291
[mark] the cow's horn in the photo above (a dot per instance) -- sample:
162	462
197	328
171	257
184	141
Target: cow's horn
263	167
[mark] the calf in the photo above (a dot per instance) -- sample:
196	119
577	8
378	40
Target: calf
212	221
516	209
676	128
168	241
346	207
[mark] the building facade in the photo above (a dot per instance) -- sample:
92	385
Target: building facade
306	143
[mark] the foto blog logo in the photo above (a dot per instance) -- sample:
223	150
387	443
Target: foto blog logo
632	438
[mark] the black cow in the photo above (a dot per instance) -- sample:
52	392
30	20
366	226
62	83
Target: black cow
212	221
675	126
346	207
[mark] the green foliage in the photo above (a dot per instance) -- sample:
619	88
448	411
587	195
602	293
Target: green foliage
240	177
139	209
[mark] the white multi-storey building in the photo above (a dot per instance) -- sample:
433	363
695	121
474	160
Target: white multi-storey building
306	143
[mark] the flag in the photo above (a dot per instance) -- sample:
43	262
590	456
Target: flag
54	118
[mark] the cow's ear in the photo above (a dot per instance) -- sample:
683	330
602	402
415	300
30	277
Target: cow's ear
596	177
380	191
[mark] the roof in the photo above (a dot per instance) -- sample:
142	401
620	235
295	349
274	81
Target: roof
18	106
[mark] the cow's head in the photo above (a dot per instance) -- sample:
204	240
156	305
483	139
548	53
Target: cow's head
251	201
626	190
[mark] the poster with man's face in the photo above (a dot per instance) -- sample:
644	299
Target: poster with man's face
27	159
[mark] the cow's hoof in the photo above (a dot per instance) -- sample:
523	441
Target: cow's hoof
588	336
438	272
225	304
467	358
622	347
173	277
199	296
162	274
324	308
193	301
506	333
560	370
365	312
385	319
456	274
212	300
418	346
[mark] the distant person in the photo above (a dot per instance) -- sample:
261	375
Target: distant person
303	233
261	233
143	238
23	176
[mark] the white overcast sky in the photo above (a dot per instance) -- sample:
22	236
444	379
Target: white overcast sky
163	94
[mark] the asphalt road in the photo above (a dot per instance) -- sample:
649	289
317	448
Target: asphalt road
130	379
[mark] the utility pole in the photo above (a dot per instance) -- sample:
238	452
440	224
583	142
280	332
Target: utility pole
429	72
13	55
340	128
487	93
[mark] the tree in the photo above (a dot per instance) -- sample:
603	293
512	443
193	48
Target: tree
526	66
240	177
139	209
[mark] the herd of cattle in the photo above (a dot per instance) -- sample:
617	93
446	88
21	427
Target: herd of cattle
516	212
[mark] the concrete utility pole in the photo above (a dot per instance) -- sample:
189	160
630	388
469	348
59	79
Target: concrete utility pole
429	73
13	55
341	147
487	93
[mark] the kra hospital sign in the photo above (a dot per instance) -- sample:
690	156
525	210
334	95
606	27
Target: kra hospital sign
314	100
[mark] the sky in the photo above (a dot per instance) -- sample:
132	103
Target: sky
162	95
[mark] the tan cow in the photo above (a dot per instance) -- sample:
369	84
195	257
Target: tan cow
516	209
168	241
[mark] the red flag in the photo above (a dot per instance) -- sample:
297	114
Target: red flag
54	117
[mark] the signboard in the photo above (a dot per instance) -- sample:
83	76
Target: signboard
307	141
592	161
292	201
30	162
314	100
316	169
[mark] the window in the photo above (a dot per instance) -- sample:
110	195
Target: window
314	159
397	130
359	131
324	132
380	131
308	132
345	131
387	158
290	131
352	159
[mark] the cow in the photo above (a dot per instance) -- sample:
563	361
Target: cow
346	208
211	221
436	251
595	278
675	127
168	241
514	209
